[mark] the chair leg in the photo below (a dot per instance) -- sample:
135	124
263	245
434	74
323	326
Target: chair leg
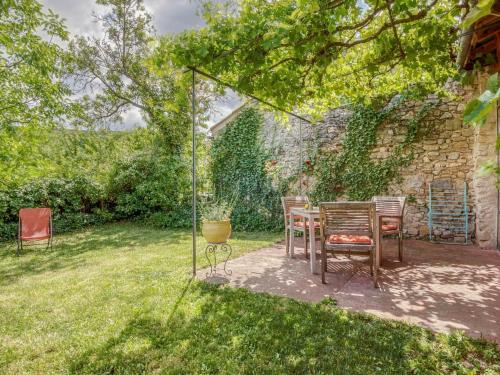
18	247
305	244
380	245
323	266
400	246
371	263
287	242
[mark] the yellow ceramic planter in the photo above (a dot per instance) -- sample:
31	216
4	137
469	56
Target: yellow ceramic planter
216	231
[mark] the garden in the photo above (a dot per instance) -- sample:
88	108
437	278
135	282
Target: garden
115	291
119	298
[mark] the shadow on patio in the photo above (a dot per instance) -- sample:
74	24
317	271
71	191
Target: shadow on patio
442	287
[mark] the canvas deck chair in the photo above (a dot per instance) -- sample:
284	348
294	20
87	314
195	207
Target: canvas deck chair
35	224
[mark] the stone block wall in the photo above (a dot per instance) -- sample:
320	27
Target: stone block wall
486	195
443	154
449	151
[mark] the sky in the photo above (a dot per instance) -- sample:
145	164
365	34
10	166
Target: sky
169	16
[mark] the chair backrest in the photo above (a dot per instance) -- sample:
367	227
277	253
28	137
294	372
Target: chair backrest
351	218
290	202
390	206
35	223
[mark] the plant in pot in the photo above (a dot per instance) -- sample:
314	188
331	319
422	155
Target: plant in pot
216	221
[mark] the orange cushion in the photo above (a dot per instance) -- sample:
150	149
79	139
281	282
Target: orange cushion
349	239
301	224
388	227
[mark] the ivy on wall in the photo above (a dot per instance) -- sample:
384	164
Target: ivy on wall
352	172
240	165
238	172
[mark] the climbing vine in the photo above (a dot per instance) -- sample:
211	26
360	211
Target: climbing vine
352	172
238	172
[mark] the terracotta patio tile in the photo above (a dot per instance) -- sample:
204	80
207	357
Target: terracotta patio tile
442	287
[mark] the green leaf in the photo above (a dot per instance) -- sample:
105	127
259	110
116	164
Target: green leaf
482	9
492	84
476	112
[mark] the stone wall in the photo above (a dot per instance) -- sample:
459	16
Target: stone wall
486	197
444	154
449	151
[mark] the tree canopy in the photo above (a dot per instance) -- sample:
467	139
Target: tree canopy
33	97
113	72
32	92
319	53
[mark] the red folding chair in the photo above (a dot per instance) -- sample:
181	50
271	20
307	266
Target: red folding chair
35	224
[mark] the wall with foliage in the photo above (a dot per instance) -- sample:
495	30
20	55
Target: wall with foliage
350	171
238	171
397	149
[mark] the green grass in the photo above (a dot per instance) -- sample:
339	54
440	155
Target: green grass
119	299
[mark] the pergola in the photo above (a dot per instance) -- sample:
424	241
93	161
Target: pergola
194	71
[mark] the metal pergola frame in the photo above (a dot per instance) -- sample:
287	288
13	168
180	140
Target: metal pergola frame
194	71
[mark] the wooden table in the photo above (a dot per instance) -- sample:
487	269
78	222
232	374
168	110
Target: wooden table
310	215
313	213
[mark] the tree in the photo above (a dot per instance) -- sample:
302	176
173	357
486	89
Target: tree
33	97
114	69
31	66
321	53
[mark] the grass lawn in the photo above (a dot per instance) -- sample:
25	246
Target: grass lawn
119	299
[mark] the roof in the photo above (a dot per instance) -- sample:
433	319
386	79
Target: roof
482	41
217	127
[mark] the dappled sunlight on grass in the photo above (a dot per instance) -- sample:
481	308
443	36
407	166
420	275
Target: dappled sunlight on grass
120	299
72	251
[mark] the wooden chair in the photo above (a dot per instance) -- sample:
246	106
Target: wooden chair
35	224
299	226
348	228
391	210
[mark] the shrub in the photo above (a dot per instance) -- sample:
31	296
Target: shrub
153	187
178	218
149	187
75	203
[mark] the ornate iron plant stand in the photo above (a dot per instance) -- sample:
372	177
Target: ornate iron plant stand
212	250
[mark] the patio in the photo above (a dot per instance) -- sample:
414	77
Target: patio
441	287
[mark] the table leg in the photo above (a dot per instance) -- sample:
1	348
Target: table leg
378	239
312	247
292	237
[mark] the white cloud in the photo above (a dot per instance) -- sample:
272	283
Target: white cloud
169	16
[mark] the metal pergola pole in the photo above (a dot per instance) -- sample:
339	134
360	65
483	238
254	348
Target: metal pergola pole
195	70
193	167
300	157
